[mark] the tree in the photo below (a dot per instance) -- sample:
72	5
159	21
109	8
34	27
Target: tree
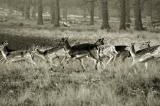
52	11
104	8
92	4
65	13
84	12
33	9
122	15
128	19
27	9
137	14
57	14
40	13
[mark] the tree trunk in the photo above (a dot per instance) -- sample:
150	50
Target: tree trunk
33	9
84	12
99	10
27	9
151	10
40	13
52	11
92	12
128	18
23	8
122	15
57	14
137	13
105	16
33	12
65	12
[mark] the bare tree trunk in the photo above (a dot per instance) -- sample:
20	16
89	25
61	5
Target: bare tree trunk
57	14
65	12
128	18
137	13
92	12
151	10
33	12
105	16
99	10
123	15
40	13
23	8
33	9
84	12
27	9
52	11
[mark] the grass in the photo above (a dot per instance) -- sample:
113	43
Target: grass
22	84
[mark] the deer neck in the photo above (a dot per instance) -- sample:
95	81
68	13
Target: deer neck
67	45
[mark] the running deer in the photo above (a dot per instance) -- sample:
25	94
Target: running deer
123	53
15	55
50	54
144	55
83	50
108	51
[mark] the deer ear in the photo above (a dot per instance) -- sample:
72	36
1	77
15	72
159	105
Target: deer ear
5	42
67	38
102	39
63	39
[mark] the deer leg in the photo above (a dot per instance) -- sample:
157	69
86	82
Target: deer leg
114	57
82	64
133	65
102	64
123	58
110	58
62	61
96	64
2	60
31	60
51	61
146	65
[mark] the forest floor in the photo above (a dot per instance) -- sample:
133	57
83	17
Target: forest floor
23	84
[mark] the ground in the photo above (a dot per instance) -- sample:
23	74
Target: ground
23	84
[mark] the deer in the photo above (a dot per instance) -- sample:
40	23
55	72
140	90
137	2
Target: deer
123	53
83	50
49	54
108	51
14	56
144	55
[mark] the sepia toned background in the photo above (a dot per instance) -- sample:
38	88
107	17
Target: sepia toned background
28	23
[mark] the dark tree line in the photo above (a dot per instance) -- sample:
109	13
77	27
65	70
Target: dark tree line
30	8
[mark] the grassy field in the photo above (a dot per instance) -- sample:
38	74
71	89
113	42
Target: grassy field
23	84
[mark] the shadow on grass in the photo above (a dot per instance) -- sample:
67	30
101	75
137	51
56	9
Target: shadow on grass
20	42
